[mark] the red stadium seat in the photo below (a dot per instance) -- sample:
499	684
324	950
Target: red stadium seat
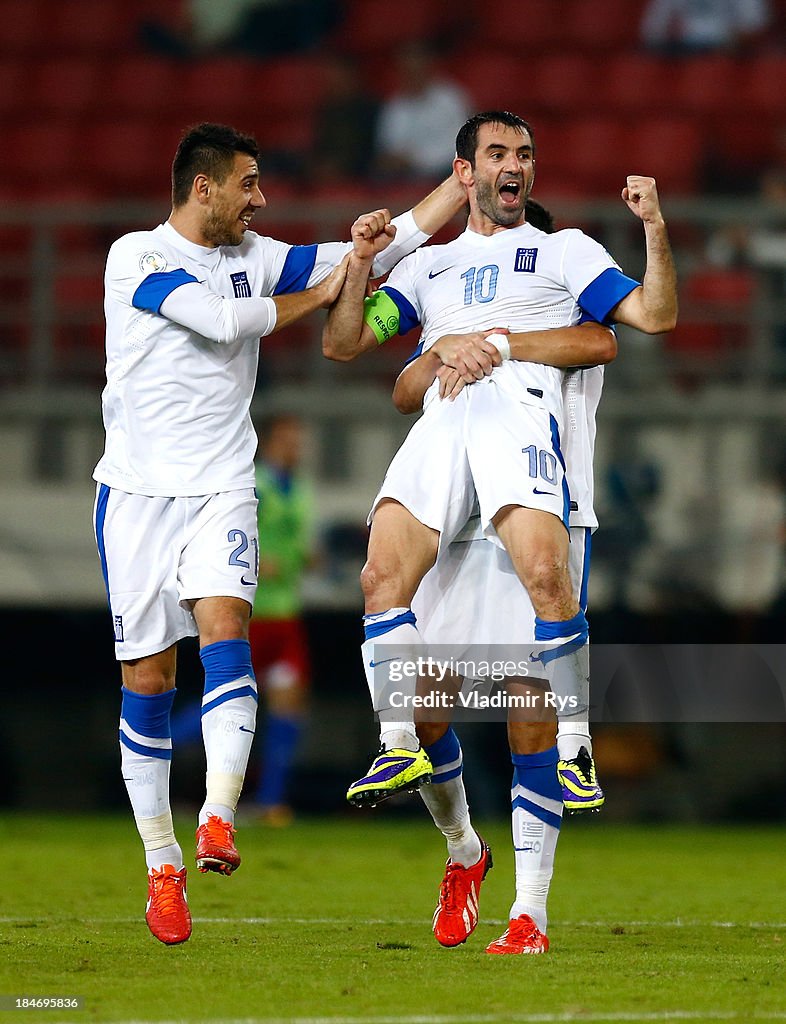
374	26
761	86
714	323
140	84
564	82
124	158
528	30
702	85
288	85
24	26
13	78
67	86
89	27
494	80
220	89
634	82
611	26
591	149
42	153
669	149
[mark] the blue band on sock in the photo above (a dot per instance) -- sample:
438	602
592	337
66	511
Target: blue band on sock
446	749
545	630
555	630
538	774
162	753
379	628
542	759
148	713
226	661
548	817
241	691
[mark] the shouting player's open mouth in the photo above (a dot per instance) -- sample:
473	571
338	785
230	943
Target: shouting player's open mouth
510	192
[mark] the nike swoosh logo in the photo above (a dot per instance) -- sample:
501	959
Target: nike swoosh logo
248	583
536	490
242	728
373	664
432	274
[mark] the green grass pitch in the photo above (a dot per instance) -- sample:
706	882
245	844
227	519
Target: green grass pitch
329	921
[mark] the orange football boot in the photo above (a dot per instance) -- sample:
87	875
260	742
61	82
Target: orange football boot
216	846
167	913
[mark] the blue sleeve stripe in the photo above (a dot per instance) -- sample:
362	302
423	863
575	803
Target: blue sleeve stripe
407	315
603	294
418	351
297	269
156	287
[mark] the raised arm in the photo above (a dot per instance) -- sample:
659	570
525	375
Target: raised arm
417	225
345	334
440	206
652	307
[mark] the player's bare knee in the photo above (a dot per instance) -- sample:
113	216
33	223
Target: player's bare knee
430	732
531	737
378	579
546	579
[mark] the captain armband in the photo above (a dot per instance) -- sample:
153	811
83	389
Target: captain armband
381	314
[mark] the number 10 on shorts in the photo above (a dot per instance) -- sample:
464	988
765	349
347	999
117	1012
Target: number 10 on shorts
541	464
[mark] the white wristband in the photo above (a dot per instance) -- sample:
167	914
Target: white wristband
501	343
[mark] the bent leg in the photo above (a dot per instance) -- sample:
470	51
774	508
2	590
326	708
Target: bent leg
401	550
538	546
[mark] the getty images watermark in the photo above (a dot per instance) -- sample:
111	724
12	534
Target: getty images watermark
435	673
628	683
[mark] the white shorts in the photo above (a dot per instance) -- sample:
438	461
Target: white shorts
158	555
502	449
473	598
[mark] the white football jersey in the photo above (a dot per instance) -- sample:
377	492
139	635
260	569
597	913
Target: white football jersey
518	278
176	404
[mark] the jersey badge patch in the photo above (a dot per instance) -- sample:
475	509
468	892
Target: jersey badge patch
525	261
240	285
152	263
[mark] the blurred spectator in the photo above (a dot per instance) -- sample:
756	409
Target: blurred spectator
675	27
279	645
416	134
345	124
258	28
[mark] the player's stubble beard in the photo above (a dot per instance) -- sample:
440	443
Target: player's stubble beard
222	227
489	204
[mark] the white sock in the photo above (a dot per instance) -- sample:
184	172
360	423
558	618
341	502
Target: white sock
229	711
571	737
145	757
392	639
227	731
536	816
446	800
